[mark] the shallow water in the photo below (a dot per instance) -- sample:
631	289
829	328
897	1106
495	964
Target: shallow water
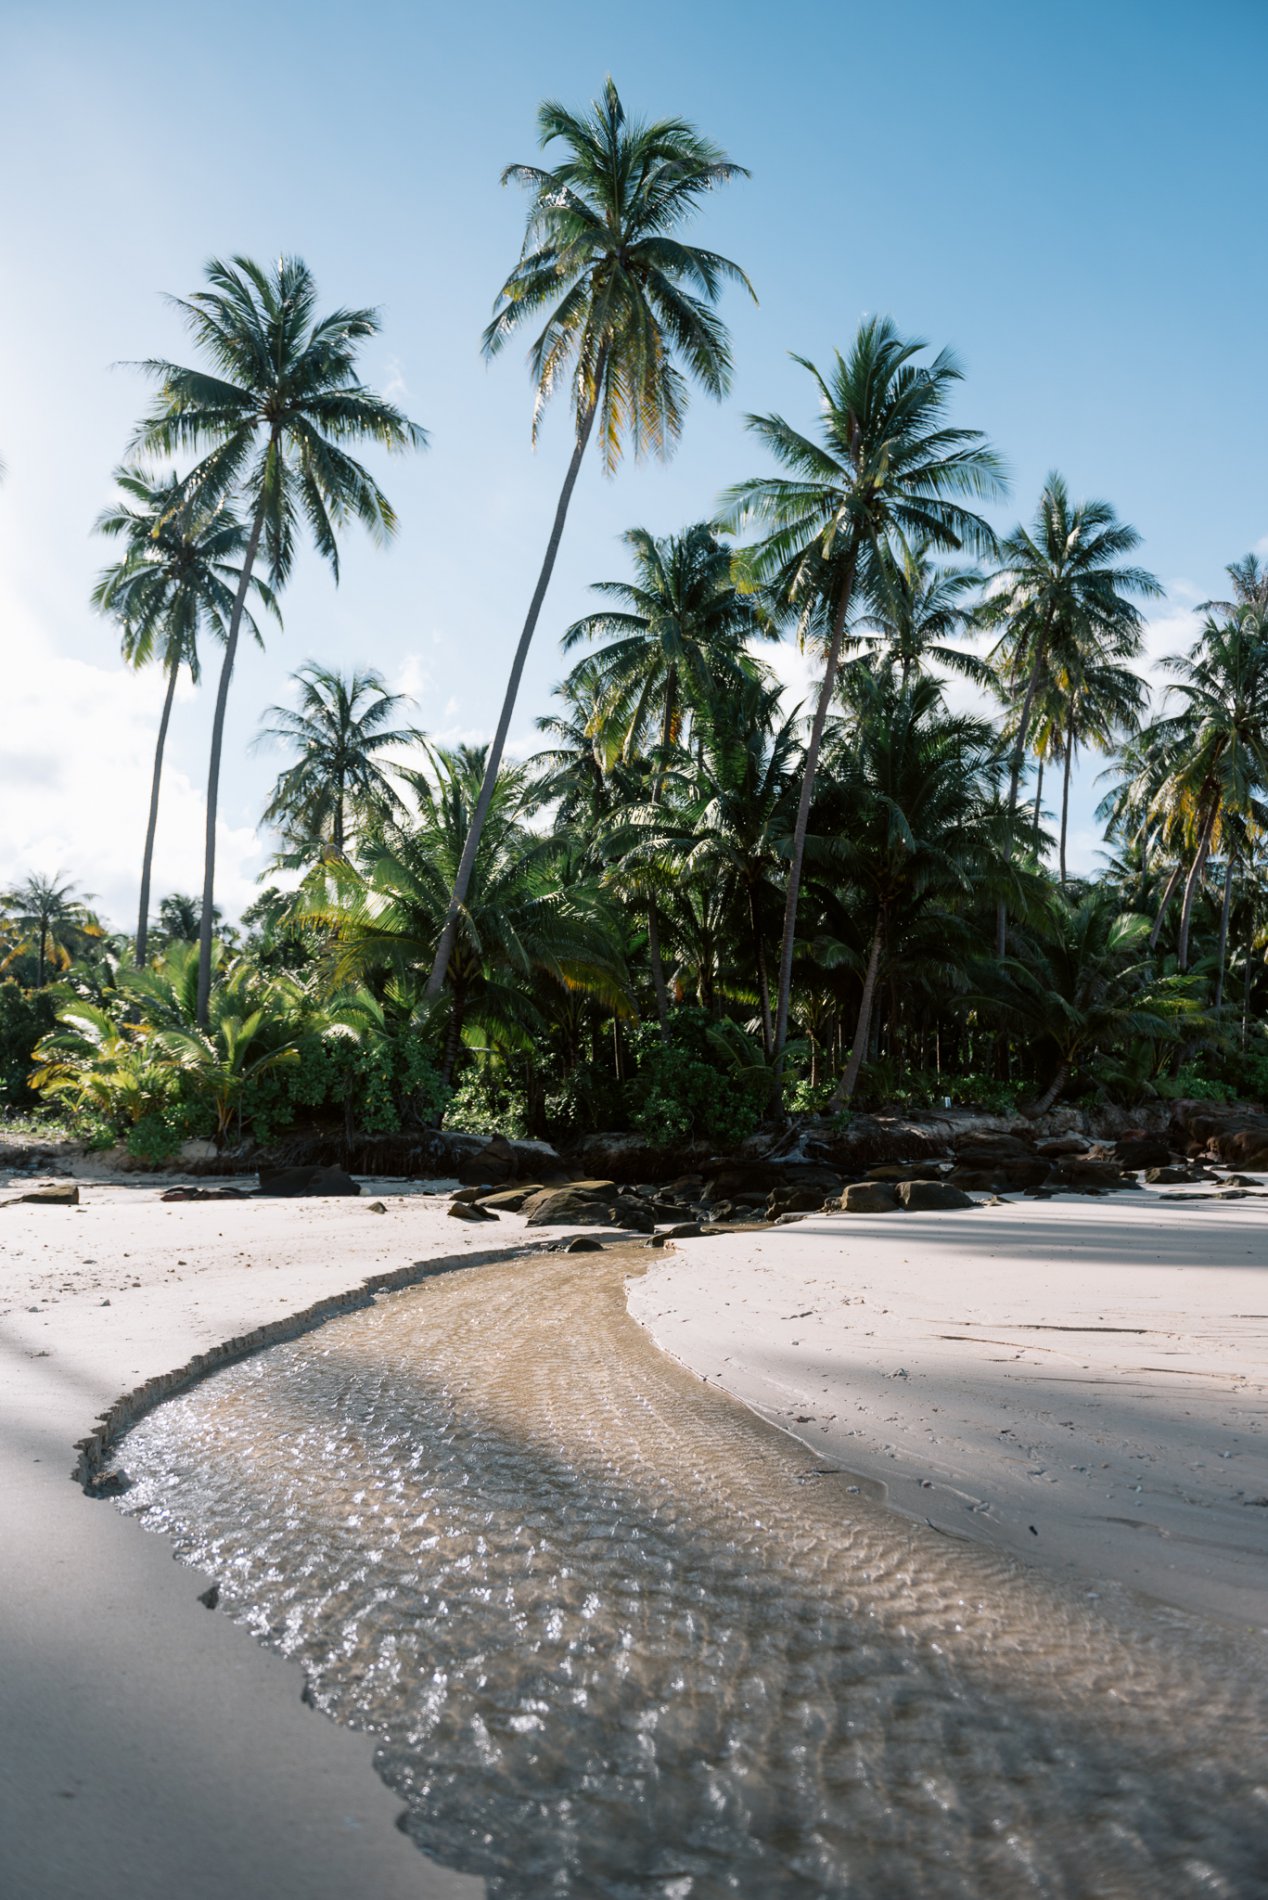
617	1637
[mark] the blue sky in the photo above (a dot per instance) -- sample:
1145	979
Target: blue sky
1073	198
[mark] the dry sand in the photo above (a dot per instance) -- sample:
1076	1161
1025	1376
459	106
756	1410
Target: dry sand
1083	1383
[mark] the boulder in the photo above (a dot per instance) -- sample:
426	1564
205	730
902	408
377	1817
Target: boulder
581	1243
1058	1145
291	1183
898	1171
204	1194
62	1194
580	1206
1142	1151
469	1210
869	1197
1081	1176
491	1167
1009	1174
505	1200
922	1197
786	1201
1173	1175
979	1150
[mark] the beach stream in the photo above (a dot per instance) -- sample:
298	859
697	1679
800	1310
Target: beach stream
616	1636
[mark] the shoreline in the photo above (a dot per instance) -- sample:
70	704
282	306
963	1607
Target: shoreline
151	1749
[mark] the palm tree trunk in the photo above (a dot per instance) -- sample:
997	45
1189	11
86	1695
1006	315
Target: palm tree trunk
213	769
845	1088
1225	908
1065	801
1191	890
810	767
1014	778
585	423
1038	805
653	916
1052	1091
763	979
453	1038
1177	871
147	856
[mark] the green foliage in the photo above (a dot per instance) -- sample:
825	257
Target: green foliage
487	1102
25	1016
686	1089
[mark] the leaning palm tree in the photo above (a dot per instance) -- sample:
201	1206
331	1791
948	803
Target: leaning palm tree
340	735
277	407
676	632
885	465
175	581
1062	577
629	316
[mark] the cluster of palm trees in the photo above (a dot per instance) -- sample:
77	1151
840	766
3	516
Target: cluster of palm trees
860	882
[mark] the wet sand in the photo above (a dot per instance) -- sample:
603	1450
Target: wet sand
615	1635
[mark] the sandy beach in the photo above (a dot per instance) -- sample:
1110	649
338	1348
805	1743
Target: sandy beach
1095	1369
1083	1383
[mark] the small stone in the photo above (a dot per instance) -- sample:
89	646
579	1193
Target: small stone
376	1207
467	1210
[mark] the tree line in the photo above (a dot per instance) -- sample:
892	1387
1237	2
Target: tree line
698	904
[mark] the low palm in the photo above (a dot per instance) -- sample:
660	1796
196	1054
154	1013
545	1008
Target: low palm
629	318
48	921
276	410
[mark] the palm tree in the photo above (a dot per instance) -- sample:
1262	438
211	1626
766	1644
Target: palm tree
46	920
679	631
629	316
339	733
1218	738
175	580
730	817
919	610
1062	579
918	783
885	466
277	406
521	922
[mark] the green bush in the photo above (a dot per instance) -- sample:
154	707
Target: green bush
25	1016
486	1102
683	1091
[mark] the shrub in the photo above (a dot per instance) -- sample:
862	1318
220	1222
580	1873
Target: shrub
685	1089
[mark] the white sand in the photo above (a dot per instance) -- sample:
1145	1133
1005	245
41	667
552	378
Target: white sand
149	1749
1082	1382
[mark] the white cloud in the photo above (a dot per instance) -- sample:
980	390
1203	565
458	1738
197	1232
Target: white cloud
76	755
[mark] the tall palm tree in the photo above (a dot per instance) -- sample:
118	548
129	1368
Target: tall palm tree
885	465
1098	701
174	581
48	920
629	317
277	406
678	632
1063	574
339	733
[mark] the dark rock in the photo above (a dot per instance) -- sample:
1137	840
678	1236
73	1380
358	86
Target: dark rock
1008	1175
492	1166
869	1197
581	1243
980	1150
506	1200
898	1171
736	1227
921	1197
793	1201
376	1207
204	1194
1173	1175
469	1210
1142	1151
1080	1175
686	1230
63	1194
1058	1145
291	1183
587	1204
